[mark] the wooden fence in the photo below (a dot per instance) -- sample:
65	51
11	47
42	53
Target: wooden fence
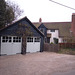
51	47
67	45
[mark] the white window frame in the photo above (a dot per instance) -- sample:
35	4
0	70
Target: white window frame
52	30
29	39
6	39
37	39
16	39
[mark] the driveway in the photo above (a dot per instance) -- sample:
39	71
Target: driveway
45	63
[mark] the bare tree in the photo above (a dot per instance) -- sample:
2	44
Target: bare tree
24	31
8	12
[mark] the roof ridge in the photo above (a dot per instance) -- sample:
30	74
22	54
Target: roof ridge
12	23
52	22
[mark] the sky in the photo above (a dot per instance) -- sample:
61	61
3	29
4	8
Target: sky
47	10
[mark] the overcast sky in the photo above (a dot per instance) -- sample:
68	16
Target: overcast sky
47	10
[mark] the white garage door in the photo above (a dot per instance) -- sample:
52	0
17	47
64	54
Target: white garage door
33	44
10	45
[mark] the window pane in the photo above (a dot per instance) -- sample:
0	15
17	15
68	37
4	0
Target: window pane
3	40
10	40
13	40
37	39
3	37
19	40
9	37
13	37
52	30
29	39
16	39
6	40
6	37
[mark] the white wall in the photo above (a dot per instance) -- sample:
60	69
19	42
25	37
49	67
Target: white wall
54	35
60	40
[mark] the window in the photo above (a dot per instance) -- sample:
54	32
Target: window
52	30
48	39
6	39
29	39
55	40
16	39
64	41
37	39
42	30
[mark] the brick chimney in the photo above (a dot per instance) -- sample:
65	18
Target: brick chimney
40	20
73	24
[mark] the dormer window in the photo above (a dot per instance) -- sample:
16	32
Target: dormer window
42	30
52	30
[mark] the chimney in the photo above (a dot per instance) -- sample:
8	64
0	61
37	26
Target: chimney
40	20
73	24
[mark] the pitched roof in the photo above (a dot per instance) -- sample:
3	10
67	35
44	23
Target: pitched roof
25	18
37	24
63	27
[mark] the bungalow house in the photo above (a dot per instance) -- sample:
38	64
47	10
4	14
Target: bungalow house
12	43
55	32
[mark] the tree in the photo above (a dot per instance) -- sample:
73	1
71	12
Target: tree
14	9
8	13
24	31
2	13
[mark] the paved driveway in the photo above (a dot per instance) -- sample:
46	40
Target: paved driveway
45	63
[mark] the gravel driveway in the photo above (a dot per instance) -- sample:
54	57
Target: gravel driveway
45	63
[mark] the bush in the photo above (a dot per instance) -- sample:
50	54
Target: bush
67	51
52	43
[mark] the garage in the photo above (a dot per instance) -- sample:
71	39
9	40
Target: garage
33	44
11	41
10	45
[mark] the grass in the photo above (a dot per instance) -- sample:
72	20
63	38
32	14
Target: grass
67	51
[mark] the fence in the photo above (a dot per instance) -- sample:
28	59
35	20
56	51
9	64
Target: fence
51	47
67	45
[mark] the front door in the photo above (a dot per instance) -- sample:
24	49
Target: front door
48	39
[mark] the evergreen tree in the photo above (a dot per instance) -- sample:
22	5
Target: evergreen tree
8	13
2	13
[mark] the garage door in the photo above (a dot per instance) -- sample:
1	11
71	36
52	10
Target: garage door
10	45
33	44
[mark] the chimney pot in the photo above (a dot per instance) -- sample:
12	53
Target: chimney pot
40	20
73	13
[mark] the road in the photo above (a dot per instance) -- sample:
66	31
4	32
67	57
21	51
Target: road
71	72
45	63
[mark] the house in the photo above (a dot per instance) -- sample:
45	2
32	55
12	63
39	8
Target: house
11	42
55	32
